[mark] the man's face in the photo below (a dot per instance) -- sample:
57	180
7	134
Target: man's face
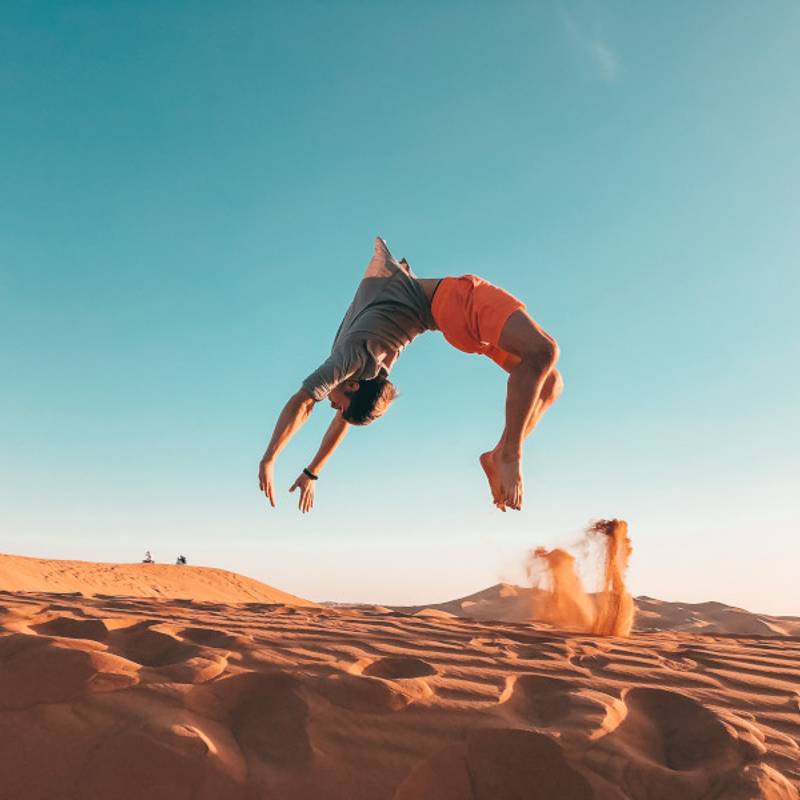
341	395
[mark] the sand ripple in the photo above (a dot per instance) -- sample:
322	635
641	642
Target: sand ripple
131	698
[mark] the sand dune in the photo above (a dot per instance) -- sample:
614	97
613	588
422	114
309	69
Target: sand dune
509	603
143	697
22	574
710	618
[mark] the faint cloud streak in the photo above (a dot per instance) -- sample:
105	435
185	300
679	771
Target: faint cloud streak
598	52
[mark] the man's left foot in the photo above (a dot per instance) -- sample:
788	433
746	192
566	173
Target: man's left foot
509	479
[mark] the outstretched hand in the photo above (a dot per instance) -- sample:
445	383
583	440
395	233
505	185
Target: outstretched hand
266	480
306	487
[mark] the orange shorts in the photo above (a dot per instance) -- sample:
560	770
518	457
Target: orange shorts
471	312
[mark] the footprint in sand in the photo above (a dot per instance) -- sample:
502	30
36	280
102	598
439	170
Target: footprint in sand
210	637
159	761
71	628
268	715
165	656
39	670
556	704
75	611
150	648
671	746
370	694
682	734
497	765
395	667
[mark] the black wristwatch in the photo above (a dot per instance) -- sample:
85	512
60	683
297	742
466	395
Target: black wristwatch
309	474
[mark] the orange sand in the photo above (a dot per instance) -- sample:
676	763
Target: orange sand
148	697
562	600
614	602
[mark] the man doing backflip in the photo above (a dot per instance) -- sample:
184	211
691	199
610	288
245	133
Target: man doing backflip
391	307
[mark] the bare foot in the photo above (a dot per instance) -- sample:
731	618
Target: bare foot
488	467
508	473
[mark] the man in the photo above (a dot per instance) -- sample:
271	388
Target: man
391	307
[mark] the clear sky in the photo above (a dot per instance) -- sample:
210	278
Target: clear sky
189	192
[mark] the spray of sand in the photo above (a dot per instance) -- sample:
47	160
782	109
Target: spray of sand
561	599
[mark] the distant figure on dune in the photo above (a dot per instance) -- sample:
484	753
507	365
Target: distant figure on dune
180	561
148	559
391	307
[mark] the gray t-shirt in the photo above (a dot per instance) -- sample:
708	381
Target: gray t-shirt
389	310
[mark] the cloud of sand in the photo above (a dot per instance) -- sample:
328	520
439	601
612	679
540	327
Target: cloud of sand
560	598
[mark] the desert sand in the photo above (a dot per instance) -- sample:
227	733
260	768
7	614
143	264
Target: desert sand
152	681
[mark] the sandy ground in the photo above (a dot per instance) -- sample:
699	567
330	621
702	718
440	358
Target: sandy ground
124	697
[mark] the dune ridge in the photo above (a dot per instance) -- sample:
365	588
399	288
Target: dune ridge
508	602
24	574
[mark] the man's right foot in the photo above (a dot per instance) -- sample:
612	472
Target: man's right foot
487	463
509	480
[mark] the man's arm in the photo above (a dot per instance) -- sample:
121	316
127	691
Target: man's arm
296	411
330	441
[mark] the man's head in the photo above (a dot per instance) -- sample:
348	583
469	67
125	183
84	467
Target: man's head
362	402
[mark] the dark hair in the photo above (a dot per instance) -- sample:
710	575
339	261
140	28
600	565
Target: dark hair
369	401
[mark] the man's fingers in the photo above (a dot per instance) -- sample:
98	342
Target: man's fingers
293	486
269	494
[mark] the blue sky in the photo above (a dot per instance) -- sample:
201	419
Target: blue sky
189	196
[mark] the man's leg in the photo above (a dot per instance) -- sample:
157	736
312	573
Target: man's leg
551	391
533	385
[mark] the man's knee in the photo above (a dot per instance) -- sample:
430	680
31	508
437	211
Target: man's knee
555	352
542	353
